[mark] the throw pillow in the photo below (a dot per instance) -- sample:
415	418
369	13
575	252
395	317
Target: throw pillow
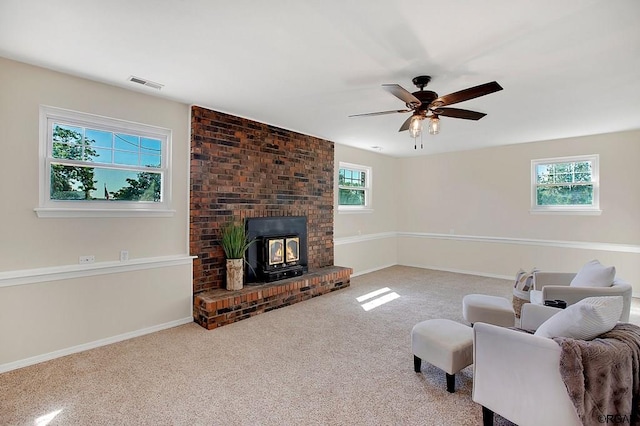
584	320
594	274
524	280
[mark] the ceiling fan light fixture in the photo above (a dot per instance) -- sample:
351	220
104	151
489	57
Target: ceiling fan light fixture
434	125
415	127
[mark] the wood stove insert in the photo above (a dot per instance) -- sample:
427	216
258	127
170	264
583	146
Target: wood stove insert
280	251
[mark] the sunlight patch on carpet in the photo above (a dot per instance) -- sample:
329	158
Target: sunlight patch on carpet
47	418
373	294
380	300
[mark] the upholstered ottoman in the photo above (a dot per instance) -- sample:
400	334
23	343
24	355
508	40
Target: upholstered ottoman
443	343
490	309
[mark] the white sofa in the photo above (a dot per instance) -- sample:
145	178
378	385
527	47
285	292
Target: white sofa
517	374
556	285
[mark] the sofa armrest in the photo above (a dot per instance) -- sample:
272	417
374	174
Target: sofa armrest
516	375
541	279
575	294
532	315
626	291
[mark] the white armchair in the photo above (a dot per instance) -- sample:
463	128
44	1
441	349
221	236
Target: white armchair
517	374
556	285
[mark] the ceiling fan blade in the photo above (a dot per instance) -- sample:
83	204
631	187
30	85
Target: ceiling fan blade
403	94
459	113
371	114
405	125
466	94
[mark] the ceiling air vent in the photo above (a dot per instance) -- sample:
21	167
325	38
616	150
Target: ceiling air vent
147	83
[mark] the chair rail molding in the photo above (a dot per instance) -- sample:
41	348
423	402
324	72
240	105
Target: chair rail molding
55	273
362	238
584	245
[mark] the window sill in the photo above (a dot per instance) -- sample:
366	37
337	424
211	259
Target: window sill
354	210
46	212
575	212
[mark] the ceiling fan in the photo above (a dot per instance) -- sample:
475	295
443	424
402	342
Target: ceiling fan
427	104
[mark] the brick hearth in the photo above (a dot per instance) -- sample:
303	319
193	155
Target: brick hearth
218	307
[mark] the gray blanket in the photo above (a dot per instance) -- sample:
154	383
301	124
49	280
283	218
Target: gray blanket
602	376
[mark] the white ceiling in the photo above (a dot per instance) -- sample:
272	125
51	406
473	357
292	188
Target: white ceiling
568	68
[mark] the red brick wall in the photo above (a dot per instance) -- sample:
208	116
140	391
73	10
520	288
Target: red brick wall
241	168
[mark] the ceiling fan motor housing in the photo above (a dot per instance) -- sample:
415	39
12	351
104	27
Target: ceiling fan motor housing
425	97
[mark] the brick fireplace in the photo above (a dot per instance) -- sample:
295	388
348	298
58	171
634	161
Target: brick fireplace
244	169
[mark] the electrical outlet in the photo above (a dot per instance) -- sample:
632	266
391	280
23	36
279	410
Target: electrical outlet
124	255
87	259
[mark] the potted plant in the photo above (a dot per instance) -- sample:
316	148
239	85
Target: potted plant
235	243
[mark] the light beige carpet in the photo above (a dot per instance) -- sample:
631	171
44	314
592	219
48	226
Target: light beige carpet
325	361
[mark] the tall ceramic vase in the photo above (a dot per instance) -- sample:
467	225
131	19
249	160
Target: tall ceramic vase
234	274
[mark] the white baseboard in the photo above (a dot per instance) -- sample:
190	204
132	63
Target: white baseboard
436	268
463	271
367	271
91	345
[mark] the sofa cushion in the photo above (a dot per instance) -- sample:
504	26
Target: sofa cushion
584	320
594	274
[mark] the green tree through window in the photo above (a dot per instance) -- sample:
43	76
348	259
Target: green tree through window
130	152
72	182
563	183
353	186
145	188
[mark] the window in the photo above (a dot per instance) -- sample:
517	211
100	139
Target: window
567	184
99	166
354	188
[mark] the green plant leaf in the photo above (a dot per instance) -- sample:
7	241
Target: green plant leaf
234	240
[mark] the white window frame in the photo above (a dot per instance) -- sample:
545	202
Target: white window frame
593	209
368	189
99	208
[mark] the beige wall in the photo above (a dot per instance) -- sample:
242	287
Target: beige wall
38	320
30	242
32	248
486	193
469	211
366	241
